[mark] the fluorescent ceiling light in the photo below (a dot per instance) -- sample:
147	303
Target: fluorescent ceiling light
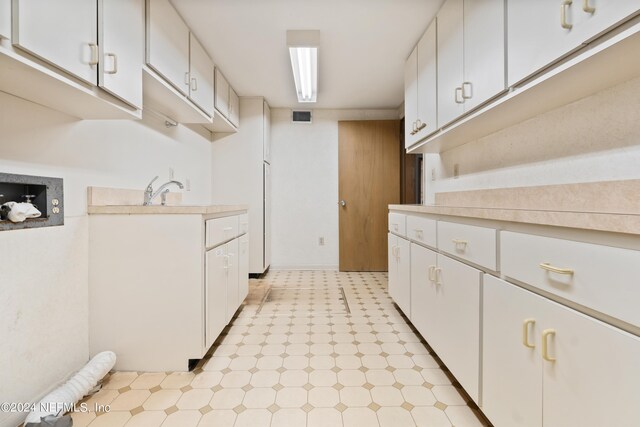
303	49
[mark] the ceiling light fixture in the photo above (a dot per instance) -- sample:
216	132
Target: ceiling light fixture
303	49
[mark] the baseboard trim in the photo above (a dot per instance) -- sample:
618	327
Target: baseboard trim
311	267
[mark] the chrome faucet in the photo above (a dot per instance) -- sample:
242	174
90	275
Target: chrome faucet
149	194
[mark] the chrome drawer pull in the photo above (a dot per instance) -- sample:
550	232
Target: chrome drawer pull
432	273
563	14
587	8
553	269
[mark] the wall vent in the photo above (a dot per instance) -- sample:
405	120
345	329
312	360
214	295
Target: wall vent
301	117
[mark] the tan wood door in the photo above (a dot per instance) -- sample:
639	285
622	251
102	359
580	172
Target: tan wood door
369	180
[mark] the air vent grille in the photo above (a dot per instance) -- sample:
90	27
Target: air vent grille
302	116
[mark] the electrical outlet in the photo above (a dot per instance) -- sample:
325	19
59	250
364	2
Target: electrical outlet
187	184
321	241
171	173
456	170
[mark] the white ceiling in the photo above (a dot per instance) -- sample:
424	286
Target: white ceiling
363	46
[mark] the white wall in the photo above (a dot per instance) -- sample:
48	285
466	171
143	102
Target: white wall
44	272
594	139
304	171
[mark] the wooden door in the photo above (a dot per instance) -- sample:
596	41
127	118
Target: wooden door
369	180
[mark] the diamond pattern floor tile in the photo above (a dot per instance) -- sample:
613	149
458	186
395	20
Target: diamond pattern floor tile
308	348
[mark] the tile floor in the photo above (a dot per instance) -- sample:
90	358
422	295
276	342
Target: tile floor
300	358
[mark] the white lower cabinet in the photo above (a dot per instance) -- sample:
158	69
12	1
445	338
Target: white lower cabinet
424	292
458	315
232	268
400	273
553	365
243	268
216	293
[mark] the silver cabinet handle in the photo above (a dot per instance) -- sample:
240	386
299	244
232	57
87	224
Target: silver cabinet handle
438	276
114	57
194	84
432	273
420	125
186	78
414	130
94	54
466	85
563	14
343	203
459	100
587	8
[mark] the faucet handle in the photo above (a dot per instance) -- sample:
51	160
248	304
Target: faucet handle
149	187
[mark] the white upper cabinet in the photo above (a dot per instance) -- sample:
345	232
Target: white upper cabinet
222	94
63	33
234	107
543	31
450	61
421	88
168	44
121	40
471	55
411	98
427	82
5	19
201	86
484	51
266	139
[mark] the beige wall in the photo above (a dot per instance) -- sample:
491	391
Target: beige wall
44	272
594	139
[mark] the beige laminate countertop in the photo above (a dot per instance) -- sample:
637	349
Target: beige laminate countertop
159	209
610	222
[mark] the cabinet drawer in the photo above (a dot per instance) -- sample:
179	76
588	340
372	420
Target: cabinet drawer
243	224
421	230
474	244
602	278
398	224
221	230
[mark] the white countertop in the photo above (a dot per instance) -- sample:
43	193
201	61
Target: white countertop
164	210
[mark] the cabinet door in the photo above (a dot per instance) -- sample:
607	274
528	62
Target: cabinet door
595	379
392	286
403	298
243	268
267	217
234	107
450	61
511	370
266	137
233	271
63	33
215	293
121	37
460	316
201	90
168	44
410	98
424	293
484	51
427	83
5	19
222	94
597	16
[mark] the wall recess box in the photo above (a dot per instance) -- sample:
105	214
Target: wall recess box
47	194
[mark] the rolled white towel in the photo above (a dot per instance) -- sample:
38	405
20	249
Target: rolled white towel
21	211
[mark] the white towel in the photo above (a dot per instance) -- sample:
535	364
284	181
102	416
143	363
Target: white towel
21	211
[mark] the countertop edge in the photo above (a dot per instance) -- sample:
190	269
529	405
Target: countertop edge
164	210
607	222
